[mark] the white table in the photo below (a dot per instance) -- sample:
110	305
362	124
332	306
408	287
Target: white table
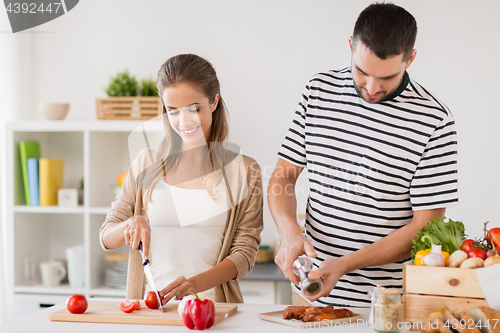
245	320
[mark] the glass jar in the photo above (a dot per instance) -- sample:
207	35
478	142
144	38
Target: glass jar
387	311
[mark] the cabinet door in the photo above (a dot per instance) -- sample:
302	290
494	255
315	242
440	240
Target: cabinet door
258	292
25	304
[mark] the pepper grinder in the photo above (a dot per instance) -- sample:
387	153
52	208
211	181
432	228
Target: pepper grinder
302	266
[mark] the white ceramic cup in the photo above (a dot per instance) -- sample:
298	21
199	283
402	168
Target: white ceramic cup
76	262
53	273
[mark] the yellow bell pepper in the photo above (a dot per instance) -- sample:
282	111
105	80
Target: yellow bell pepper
446	256
419	256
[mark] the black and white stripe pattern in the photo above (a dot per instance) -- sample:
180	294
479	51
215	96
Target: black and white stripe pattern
369	166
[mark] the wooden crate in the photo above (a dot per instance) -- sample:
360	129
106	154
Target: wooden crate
127	108
426	288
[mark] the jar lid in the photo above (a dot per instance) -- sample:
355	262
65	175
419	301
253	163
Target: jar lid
387	292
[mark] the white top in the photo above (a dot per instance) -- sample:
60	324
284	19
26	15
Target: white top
187	228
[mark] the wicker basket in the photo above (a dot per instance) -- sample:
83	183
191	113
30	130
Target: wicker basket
127	108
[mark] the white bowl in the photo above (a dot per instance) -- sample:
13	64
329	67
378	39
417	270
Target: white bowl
55	111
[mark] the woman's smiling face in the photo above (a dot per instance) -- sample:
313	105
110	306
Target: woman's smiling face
189	112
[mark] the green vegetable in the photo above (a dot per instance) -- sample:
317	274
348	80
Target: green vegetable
450	235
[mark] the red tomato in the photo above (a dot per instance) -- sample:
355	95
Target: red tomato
151	300
467	245
137	304
127	306
493	235
76	304
477	253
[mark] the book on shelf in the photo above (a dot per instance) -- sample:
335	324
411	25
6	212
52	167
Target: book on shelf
51	176
27	149
32	163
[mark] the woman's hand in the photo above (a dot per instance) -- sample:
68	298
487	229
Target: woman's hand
138	230
179	288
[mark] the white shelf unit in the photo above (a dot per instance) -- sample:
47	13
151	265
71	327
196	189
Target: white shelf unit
95	150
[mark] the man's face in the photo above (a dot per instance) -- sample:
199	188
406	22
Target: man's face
376	78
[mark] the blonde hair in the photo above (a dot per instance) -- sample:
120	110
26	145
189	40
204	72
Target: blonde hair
194	70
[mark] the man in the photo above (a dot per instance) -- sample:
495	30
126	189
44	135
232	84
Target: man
380	152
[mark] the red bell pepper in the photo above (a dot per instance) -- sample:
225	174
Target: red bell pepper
199	314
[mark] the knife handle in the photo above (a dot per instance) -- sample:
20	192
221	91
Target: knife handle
144	262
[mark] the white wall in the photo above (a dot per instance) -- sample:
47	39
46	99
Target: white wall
264	53
16	86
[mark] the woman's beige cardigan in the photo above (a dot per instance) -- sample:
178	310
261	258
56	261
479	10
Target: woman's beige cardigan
243	226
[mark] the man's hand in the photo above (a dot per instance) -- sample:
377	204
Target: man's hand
291	248
283	207
330	271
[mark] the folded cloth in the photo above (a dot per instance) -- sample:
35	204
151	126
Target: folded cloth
489	280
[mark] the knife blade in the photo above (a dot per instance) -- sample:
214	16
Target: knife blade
149	278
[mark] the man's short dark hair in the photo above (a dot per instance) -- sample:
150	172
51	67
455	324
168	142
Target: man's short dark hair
386	29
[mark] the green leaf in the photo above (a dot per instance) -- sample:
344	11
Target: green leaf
123	84
450	235
148	87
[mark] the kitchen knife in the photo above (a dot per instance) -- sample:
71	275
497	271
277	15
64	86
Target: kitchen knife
149	277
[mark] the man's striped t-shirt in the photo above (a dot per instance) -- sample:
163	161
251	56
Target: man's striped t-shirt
369	167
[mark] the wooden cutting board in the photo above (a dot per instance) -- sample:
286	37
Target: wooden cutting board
277	317
109	312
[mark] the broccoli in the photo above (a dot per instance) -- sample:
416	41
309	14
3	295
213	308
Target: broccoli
450	235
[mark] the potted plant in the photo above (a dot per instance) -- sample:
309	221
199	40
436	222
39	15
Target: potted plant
128	98
122	85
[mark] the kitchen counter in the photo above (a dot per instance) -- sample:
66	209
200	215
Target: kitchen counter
245	320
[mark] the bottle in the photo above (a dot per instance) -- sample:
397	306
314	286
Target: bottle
387	311
263	254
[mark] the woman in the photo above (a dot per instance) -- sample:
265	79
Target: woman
195	205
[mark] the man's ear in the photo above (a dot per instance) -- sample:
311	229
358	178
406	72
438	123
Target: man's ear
350	43
412	57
